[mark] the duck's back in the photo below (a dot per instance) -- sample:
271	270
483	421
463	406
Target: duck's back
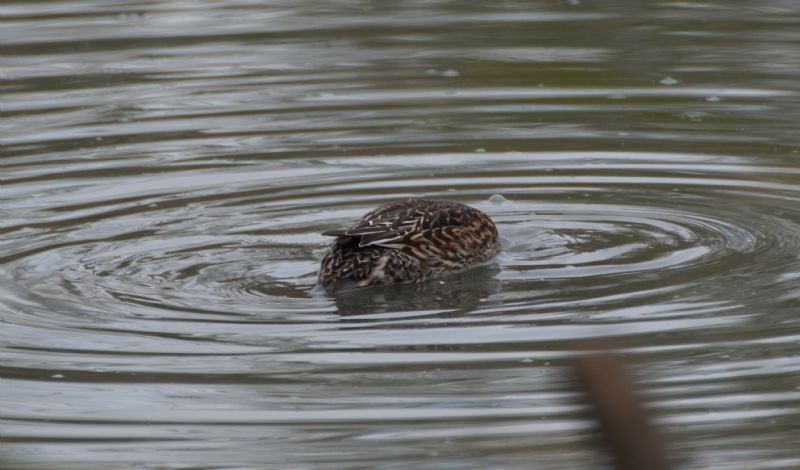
409	240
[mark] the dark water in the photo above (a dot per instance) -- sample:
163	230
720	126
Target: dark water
167	167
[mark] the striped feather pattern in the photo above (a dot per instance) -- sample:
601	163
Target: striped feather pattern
408	240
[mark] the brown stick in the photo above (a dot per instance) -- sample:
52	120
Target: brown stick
634	442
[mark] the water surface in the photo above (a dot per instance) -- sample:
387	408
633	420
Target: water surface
167	169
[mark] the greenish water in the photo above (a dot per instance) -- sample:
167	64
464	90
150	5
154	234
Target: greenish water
167	167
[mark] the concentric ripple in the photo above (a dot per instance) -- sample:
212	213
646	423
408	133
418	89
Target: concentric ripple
251	254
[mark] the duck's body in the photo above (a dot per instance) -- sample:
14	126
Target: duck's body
408	241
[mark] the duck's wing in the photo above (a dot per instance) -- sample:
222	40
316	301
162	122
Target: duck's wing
390	223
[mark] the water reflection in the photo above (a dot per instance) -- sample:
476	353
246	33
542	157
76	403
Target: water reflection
451	296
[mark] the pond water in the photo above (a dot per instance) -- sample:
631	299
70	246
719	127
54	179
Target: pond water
168	167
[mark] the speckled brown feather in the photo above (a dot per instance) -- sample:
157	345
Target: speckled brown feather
409	240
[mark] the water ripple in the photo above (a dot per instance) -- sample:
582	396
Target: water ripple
168	168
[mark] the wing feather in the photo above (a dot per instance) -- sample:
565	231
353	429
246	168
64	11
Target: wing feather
389	224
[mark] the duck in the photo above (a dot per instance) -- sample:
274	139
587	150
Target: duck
410	240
